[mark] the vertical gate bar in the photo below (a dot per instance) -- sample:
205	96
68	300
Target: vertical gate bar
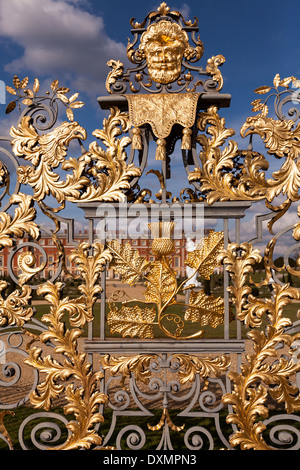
238	241
164	173
103	285
226	296
91	241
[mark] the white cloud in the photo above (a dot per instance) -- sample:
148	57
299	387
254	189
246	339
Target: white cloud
60	39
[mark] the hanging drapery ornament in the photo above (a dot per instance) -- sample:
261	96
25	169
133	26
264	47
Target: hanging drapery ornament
161	112
160	153
186	143
137	139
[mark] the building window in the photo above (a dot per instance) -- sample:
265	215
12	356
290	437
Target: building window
1	261
176	262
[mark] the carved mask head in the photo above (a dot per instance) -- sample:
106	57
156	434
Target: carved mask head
163	45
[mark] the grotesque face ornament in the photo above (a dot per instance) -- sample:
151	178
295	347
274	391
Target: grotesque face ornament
163	45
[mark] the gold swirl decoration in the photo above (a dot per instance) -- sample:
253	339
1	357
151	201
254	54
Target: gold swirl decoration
104	175
84	399
223	179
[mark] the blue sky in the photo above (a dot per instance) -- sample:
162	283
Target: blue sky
71	40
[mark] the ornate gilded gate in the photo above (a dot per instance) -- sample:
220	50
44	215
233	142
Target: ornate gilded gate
171	321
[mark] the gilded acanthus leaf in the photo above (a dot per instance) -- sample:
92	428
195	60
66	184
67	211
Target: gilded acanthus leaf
250	392
205	309
160	281
116	72
239	261
132	321
110	170
280	137
125	366
205	367
21	223
296	231
45	153
51	148
204	257
218	176
90	266
84	400
127	262
97	175
14	309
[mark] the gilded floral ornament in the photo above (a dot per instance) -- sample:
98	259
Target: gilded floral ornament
83	400
14	309
221	175
164	52
239	261
190	366
162	287
21	223
97	175
258	377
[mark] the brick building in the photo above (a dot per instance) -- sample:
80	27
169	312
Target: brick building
49	252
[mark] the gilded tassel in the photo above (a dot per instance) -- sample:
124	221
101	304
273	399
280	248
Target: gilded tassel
136	139
186	143
161	149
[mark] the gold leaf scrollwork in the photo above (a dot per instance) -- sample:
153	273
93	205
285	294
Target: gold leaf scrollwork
21	223
84	399
206	367
218	176
239	261
26	262
165	419
125	366
90	266
213	68
132	321
258	376
162	286
108	169
14	309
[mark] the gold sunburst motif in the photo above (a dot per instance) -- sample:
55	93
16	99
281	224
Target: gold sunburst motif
162	287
